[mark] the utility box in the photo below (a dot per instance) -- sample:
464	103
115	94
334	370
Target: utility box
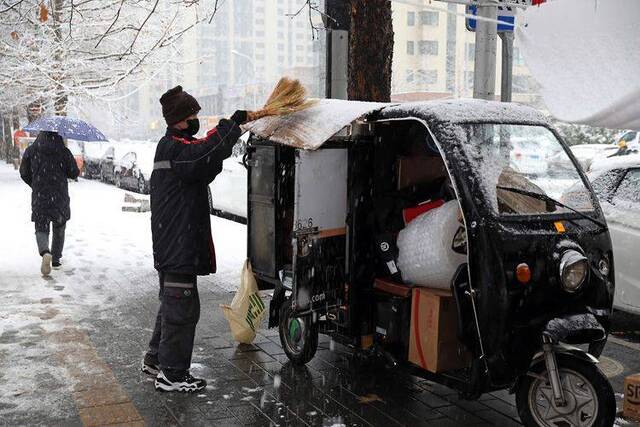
631	405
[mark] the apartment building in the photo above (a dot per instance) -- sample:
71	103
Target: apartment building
235	61
434	55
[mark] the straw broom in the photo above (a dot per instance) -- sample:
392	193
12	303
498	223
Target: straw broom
287	97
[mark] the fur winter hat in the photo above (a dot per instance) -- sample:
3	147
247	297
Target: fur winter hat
177	105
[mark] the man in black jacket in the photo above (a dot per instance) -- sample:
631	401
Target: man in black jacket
46	166
181	229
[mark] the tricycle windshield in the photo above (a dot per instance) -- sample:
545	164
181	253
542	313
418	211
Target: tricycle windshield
513	164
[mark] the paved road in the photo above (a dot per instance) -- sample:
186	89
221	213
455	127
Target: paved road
70	345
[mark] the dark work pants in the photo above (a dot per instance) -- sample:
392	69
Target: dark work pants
175	329
57	238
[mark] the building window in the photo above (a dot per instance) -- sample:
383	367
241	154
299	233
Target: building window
428	47
429	18
409	76
410	48
411	19
426	76
518	59
468	79
470	51
521	84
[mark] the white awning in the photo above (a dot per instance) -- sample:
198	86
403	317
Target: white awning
310	128
585	54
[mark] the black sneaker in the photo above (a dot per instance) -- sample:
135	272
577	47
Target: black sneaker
179	382
150	365
57	265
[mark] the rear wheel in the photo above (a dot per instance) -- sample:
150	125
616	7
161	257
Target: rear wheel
298	335
589	396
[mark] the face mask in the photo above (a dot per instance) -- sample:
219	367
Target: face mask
193	126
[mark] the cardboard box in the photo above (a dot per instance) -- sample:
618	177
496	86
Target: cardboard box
419	170
433	340
631	405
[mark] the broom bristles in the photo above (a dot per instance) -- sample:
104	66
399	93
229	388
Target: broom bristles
287	97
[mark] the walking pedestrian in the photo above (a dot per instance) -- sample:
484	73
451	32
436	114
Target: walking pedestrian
46	166
181	231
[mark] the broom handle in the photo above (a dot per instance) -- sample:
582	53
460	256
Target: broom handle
255	115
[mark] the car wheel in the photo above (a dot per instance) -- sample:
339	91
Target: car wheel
590	398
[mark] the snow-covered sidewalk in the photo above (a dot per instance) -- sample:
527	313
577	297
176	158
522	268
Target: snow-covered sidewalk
107	266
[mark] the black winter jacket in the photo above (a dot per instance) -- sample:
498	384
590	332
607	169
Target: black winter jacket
46	166
180	222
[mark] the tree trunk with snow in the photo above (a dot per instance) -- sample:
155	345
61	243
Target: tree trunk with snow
370	50
6	137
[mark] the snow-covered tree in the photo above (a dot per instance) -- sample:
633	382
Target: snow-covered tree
54	50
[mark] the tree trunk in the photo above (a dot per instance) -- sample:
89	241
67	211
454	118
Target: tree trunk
6	137
60	98
370	50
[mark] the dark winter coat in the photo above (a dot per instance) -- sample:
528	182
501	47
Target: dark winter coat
46	166
180	222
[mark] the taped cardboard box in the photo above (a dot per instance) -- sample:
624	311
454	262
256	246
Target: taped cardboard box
433	341
631	405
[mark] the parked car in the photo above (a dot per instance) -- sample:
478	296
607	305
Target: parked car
107	171
93	154
133	170
617	184
584	153
229	189
630	139
76	150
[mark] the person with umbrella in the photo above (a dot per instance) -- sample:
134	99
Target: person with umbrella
46	166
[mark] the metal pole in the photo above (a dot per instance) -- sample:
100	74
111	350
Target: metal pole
507	66
484	75
337	21
338	64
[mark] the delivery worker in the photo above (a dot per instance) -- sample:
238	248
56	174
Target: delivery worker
46	165
181	230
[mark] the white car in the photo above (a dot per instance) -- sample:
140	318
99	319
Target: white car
631	139
618	188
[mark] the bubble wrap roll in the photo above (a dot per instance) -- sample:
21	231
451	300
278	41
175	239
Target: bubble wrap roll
425	254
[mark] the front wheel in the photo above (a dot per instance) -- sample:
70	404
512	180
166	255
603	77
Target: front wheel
298	335
589	397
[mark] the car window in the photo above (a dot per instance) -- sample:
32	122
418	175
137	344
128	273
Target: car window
629	189
604	184
628	137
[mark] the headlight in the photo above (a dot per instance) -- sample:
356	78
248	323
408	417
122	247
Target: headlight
573	270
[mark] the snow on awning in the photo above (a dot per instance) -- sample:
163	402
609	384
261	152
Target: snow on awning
311	128
585	54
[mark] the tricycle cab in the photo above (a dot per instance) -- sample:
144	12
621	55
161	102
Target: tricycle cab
332	188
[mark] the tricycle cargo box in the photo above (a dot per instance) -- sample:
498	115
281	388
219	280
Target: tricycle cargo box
433	343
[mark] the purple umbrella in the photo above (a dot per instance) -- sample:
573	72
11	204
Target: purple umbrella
67	128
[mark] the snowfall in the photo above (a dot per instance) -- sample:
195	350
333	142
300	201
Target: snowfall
101	241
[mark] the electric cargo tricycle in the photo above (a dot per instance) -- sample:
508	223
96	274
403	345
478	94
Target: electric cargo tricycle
331	191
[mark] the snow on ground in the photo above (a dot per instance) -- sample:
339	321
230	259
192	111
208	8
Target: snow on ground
107	262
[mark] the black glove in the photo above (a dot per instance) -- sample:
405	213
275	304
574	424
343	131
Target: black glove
240	116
